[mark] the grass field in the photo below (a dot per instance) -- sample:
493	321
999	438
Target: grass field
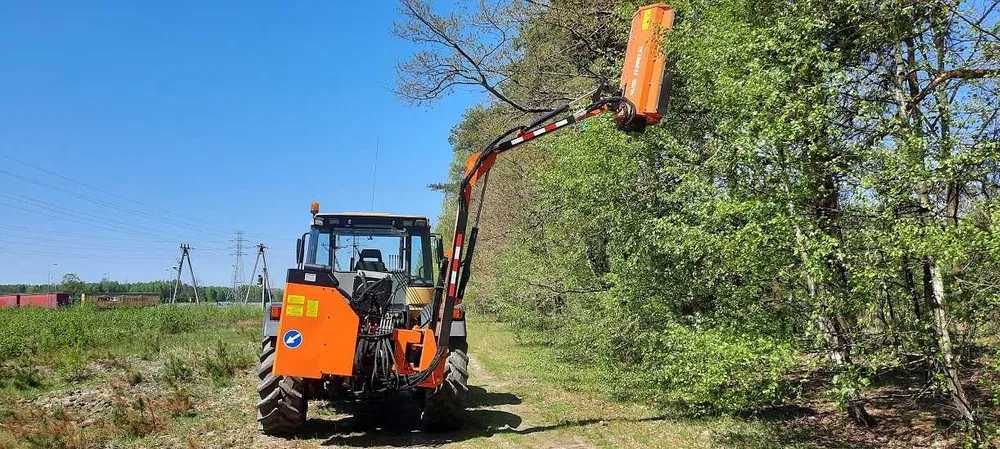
183	378
82	377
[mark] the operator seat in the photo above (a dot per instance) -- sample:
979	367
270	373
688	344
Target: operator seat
371	260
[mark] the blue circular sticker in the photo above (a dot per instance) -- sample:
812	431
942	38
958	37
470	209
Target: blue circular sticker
292	339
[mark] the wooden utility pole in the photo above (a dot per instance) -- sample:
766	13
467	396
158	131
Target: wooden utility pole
265	283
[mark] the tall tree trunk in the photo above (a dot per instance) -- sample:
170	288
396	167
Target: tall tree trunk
911	286
939	306
947	362
832	324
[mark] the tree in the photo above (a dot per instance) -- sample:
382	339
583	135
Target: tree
527	55
72	284
826	181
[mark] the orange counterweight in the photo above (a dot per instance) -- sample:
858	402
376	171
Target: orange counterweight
317	334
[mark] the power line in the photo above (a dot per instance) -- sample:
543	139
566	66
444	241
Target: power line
90	219
140	208
106	221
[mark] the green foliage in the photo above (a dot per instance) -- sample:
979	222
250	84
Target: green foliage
20	377
789	203
708	371
72	362
72	284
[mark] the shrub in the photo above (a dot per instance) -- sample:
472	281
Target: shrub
73	364
133	377
705	371
134	417
179	403
37	429
223	362
176	370
151	347
20	377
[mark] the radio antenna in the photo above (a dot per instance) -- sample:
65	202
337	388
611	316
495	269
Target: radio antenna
374	172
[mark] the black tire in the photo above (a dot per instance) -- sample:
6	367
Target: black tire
444	407
283	404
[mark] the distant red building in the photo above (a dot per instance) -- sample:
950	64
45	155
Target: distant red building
45	300
7	301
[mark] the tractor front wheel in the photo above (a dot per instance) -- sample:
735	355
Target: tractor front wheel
283	404
444	406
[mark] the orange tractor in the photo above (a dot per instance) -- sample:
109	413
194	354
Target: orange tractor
363	314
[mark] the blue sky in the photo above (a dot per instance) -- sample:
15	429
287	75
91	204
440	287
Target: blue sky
129	127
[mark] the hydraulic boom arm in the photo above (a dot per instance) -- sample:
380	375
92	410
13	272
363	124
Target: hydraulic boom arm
645	88
455	274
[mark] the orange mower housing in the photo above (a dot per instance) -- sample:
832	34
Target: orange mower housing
645	80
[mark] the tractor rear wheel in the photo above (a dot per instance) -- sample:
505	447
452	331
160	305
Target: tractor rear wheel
444	407
283	404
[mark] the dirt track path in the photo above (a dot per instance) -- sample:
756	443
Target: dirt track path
510	407
498	417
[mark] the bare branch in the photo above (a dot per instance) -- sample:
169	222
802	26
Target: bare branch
945	76
467	59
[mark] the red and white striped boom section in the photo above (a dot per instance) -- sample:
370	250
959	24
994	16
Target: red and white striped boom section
531	134
455	274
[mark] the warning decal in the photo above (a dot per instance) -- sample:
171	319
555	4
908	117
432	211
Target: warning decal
299	306
296	305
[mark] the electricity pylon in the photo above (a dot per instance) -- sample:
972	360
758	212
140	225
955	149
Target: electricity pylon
234	293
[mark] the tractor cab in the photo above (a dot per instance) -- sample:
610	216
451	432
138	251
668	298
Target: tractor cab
354	246
349	242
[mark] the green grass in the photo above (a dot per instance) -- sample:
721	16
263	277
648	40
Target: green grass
569	402
148	364
31	332
183	377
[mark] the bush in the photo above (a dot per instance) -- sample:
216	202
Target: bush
134	417
704	371
133	377
21	377
179	403
73	364
222	363
176	371
37	429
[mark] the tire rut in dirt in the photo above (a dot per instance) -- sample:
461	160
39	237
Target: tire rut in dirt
282	407
444	407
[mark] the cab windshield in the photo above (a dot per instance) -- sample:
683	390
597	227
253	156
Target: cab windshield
390	251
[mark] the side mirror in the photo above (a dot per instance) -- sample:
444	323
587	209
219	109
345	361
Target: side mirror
299	250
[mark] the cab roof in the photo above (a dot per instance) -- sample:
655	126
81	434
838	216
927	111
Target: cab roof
370	214
370	220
